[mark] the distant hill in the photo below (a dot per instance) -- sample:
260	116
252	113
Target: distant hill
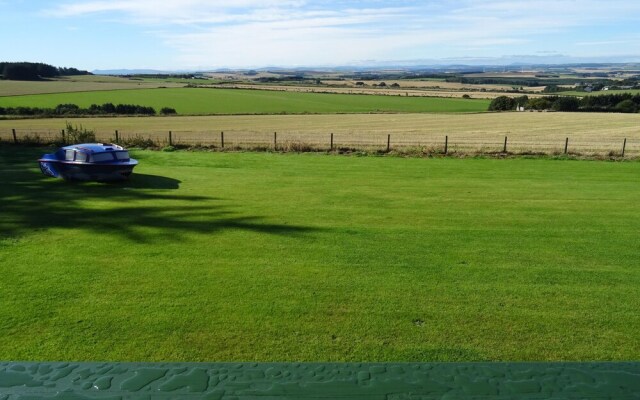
130	72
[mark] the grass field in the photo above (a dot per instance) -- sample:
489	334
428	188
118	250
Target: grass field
231	101
309	257
526	131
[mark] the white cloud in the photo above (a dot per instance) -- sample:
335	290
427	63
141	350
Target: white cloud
298	32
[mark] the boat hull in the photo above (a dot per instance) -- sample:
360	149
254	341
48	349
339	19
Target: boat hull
87	172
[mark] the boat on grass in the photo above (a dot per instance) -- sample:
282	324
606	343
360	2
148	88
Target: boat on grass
102	162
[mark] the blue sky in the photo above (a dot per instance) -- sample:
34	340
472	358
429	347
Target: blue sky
188	34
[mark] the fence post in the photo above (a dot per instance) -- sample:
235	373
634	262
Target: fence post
566	146
117	138
222	139
388	142
331	145
15	138
624	146
64	140
446	144
275	140
170	139
504	149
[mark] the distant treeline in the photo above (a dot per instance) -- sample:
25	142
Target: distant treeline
94	109
163	76
28	71
529	82
272	79
624	103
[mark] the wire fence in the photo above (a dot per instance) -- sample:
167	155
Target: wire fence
364	141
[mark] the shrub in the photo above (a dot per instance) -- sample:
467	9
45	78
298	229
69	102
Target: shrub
167	111
138	141
627	106
78	134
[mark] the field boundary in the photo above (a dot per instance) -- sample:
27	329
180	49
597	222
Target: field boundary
319	380
410	144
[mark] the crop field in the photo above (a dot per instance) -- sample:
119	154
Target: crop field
401	92
314	257
529	131
599	93
440	84
77	84
231	101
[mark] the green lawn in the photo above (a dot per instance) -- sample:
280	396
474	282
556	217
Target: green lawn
235	101
312	257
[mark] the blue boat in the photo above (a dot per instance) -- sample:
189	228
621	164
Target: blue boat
102	162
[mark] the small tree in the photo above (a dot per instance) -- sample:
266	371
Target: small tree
502	103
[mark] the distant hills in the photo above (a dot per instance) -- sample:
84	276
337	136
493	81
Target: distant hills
458	67
132	72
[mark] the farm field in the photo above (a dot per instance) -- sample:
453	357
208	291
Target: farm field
77	84
312	257
401	92
599	93
529	131
232	101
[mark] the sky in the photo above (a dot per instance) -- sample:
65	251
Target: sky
208	34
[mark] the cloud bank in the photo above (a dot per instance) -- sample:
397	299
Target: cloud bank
298	32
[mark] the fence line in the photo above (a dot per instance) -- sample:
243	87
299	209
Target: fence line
445	143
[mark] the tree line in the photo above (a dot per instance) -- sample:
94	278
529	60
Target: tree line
29	71
624	103
94	109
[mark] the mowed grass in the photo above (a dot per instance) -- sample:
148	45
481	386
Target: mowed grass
309	257
236	101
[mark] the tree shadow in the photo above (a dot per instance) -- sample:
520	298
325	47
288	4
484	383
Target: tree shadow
144	181
145	208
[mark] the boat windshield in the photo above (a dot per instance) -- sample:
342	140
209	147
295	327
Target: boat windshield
122	155
82	157
98	157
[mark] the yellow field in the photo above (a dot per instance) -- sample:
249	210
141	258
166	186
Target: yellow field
527	131
85	83
432	84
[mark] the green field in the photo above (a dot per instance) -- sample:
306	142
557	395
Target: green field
311	257
199	101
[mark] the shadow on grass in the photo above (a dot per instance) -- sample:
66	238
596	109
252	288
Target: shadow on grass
145	208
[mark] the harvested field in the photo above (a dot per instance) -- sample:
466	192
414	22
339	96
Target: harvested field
408	91
530	131
77	84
